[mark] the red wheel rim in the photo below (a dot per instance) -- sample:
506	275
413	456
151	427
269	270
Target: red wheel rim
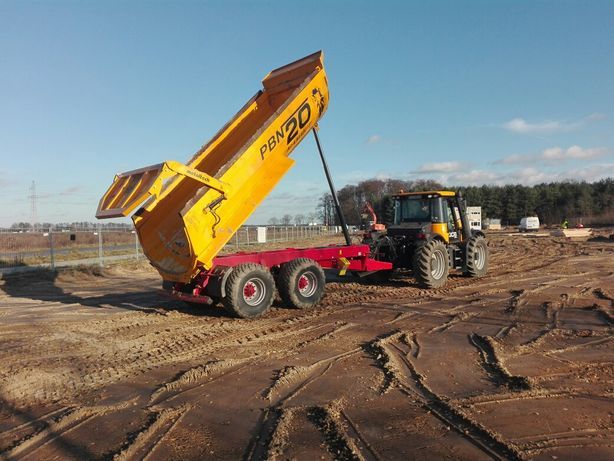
307	284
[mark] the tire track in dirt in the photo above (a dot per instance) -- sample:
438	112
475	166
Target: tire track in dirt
290	380
458	318
166	350
142	443
35	426
398	368
201	375
533	394
337	441
55	429
274	422
492	363
194	377
270	440
537	444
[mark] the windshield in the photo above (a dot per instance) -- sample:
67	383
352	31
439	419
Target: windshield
417	209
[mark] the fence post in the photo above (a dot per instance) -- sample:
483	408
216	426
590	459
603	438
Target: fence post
136	245
237	239
100	260
247	234
51	249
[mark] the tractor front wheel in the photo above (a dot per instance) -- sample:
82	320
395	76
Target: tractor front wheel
476	254
431	264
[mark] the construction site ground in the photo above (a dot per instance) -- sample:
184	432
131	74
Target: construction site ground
516	365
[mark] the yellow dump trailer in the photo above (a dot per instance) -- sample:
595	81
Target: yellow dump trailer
188	212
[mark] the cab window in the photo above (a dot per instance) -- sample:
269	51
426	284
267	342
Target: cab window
417	210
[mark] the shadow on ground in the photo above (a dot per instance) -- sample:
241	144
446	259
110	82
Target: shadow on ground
42	285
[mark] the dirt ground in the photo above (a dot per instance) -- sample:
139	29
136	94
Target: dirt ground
516	365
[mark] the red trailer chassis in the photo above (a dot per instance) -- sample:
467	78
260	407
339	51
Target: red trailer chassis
212	285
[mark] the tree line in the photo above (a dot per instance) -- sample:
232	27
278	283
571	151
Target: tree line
551	202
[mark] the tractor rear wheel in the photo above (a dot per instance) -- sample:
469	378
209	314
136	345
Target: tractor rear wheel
250	290
431	264
301	282
476	254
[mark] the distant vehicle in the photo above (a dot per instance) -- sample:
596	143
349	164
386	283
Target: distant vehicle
529	224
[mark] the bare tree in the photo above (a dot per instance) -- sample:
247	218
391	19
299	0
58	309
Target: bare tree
326	210
274	221
299	219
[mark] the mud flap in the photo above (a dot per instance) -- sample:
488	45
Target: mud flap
217	281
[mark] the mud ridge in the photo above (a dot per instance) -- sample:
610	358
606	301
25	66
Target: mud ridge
325	336
516	301
263	441
140	443
194	375
603	294
288	381
460	317
488	441
494	366
376	349
336	440
363	448
278	443
579	438
287	376
411	340
605	316
506	330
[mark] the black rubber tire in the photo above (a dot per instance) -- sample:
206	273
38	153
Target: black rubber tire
295	273
254	278
431	264
476	254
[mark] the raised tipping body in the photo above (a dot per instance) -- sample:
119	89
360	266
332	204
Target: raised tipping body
191	211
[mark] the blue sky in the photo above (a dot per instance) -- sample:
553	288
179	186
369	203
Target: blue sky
465	92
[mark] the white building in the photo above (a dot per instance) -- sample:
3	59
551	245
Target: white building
474	214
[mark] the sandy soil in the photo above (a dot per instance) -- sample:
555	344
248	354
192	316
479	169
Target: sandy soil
517	365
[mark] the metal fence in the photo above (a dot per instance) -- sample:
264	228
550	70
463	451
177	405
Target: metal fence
21	249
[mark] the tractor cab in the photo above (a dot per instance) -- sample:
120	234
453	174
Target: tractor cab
431	235
427	214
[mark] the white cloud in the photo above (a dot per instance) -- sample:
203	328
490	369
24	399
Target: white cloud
554	154
440	167
516	159
521	126
473	177
573	152
373	139
527	176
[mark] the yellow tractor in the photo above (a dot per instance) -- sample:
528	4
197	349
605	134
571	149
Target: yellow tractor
430	235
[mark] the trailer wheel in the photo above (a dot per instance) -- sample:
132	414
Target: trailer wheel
431	264
301	283
250	290
476	254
